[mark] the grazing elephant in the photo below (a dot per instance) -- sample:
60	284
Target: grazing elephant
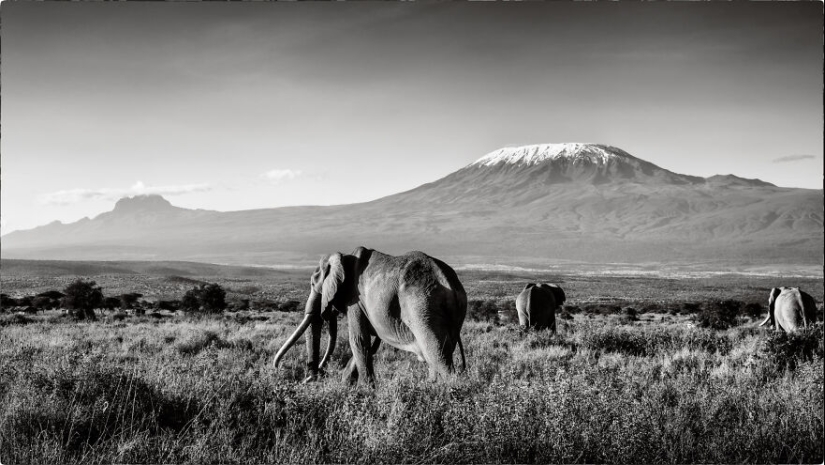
412	302
537	304
790	308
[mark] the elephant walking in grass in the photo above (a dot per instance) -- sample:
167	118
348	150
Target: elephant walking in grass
412	302
790	308
537	304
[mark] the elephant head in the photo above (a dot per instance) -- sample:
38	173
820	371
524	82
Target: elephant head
332	290
771	306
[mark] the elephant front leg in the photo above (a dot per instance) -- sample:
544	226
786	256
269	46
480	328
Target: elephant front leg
360	366
351	370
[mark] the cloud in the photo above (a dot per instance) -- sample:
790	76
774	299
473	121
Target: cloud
790	158
279	176
70	196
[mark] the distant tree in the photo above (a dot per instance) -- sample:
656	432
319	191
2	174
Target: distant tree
56	295
111	303
7	302
719	314
43	303
128	301
81	298
213	298
171	305
209	298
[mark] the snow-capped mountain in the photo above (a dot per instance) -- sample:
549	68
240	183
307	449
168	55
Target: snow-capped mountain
587	202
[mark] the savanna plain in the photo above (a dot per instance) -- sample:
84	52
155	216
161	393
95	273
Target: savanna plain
642	369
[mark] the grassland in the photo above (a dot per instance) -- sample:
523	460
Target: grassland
653	388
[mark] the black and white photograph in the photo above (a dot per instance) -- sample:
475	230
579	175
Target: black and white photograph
258	232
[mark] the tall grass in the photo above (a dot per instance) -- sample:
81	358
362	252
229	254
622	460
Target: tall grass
204	392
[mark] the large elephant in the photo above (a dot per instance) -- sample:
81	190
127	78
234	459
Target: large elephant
412	302
790	308
537	304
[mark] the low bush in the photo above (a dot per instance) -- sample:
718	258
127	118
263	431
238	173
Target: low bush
483	310
786	350
719	314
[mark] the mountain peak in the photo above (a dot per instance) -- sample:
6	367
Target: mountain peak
143	203
538	153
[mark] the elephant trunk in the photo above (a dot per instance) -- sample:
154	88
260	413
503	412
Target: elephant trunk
333	337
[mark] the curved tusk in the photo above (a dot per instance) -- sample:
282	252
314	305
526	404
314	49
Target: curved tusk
291	341
333	336
766	320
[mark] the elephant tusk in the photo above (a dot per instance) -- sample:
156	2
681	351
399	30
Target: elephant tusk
333	336
765	322
294	337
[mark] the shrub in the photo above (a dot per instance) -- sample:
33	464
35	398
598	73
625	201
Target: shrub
754	310
43	303
111	303
171	305
787	349
289	306
129	300
55	295
483	310
602	309
209	298
7	302
719	314
82	297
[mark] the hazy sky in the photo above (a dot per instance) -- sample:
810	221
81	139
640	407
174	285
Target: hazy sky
232	106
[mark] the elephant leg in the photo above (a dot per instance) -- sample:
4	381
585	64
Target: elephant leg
351	370
360	342
437	348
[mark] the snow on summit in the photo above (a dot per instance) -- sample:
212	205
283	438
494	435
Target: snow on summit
535	154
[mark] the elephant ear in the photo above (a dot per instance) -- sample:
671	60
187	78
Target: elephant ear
333	277
772	299
317	279
558	293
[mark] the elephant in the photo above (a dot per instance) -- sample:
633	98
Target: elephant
790	308
537	304
413	302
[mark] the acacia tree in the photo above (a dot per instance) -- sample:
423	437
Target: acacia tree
210	298
81	298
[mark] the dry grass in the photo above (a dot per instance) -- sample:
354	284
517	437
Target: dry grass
203	391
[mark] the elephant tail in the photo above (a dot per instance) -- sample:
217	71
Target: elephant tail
461	349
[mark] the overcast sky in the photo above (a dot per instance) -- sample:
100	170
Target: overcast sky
232	106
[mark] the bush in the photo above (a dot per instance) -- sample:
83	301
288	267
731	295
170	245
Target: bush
171	305
209	298
754	310
289	306
788	349
602	309
719	315
111	303
485	310
55	295
128	301
82	297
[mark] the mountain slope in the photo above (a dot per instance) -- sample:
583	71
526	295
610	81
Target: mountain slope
523	204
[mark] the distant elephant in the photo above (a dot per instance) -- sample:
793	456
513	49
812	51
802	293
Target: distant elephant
790	308
537	304
412	302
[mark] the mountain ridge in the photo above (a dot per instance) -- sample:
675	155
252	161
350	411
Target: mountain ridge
589	202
